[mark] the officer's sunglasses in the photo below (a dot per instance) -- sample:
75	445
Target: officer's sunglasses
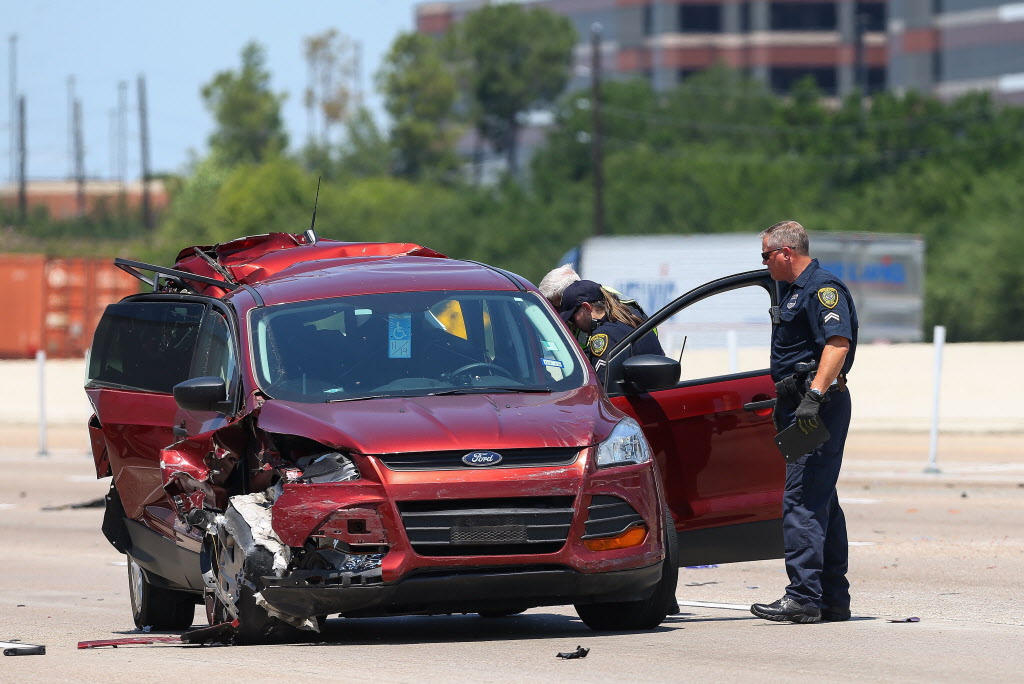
765	255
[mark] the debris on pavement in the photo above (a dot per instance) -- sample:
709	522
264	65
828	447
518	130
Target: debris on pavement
909	619
700	584
213	634
700	567
580	652
99	643
16	648
93	503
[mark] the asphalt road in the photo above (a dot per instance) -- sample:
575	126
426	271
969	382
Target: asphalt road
944	548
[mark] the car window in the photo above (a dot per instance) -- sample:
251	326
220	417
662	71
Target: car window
410	344
145	345
215	353
729	332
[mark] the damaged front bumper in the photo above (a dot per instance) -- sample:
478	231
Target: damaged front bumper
455	592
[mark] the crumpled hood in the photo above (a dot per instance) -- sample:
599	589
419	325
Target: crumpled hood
577	418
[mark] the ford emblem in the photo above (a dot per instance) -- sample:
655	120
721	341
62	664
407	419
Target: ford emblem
481	458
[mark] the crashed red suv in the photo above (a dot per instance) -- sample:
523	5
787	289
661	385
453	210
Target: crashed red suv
299	428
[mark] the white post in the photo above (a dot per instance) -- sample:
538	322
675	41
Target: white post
41	367
733	345
939	340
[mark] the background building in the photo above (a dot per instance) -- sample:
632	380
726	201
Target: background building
941	47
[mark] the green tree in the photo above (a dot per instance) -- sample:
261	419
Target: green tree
419	94
515	58
247	112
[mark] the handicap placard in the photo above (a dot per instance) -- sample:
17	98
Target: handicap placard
400	336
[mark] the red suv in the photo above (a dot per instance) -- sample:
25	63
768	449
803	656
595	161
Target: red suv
299	427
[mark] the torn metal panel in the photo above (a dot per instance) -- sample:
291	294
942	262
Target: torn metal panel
127	641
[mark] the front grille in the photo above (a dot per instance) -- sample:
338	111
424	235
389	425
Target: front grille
608	516
452	460
487	527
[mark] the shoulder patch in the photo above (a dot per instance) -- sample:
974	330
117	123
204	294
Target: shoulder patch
829	297
598	344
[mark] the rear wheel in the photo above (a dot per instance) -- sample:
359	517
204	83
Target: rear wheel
645	614
157	607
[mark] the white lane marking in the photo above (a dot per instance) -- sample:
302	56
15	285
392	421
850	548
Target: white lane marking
708	604
2	505
858	543
859	501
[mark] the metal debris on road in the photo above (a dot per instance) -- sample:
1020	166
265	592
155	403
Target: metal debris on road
580	652
16	648
700	584
909	619
99	643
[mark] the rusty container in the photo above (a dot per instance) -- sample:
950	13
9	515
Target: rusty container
55	304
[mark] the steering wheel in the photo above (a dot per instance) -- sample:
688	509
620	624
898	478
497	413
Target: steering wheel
494	368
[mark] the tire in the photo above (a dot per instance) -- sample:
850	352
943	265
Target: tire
646	614
235	565
156	607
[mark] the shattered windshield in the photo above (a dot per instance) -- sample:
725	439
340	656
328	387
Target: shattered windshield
411	344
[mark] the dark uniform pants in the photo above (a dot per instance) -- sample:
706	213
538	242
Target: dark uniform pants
813	524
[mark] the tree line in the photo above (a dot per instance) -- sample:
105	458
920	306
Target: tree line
717	153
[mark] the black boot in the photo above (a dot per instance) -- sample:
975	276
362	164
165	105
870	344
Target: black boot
786	609
830	614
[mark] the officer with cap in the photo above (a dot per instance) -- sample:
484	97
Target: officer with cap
818	323
592	309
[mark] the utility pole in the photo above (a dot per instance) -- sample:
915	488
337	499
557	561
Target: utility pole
13	83
71	127
22	155
147	211
112	142
79	158
860	72
596	136
122	133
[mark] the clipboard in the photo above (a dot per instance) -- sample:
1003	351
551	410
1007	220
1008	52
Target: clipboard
793	443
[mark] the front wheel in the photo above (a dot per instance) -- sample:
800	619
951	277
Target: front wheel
645	614
157	607
233	566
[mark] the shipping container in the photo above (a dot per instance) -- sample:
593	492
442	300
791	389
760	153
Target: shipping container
54	304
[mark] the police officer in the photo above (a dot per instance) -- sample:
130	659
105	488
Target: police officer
597	312
818	322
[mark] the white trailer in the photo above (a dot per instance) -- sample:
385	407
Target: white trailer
885	274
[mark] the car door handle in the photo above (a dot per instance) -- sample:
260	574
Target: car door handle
758	405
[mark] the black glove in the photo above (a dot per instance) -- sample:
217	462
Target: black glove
807	412
786	389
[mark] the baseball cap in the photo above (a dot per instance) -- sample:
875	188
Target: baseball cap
577	293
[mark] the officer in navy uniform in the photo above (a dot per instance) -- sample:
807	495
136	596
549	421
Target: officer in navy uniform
818	322
594	310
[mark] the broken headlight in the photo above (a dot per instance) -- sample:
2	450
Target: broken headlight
324	469
626	445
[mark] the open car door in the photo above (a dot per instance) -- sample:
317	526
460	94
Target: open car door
712	434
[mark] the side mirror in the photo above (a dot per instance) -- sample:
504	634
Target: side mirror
201	394
649	372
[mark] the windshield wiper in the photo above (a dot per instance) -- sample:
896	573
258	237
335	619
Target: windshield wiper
486	390
365	396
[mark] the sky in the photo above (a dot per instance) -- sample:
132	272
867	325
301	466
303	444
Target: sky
178	46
